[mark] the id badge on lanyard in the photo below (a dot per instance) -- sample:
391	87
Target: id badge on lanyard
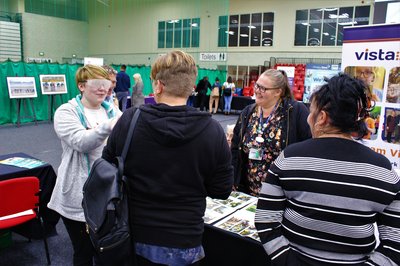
255	154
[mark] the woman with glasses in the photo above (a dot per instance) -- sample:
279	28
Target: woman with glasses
83	125
323	197
264	129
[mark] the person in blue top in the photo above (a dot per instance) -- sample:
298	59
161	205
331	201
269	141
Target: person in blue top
122	88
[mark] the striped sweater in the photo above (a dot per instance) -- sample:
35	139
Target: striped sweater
321	200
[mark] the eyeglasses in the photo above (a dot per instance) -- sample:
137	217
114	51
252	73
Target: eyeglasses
262	88
98	83
366	73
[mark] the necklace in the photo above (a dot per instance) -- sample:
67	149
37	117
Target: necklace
262	126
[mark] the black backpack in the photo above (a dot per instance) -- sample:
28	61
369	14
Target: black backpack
105	205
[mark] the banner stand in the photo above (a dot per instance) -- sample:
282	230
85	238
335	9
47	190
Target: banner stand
52	105
19	101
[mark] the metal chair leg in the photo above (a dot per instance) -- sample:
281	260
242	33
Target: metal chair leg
45	241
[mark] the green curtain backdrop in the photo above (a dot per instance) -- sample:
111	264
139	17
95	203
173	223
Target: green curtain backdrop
41	104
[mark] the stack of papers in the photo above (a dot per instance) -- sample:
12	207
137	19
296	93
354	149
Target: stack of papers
23	162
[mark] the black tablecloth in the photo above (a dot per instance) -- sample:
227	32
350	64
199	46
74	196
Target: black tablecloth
225	248
47	179
238	102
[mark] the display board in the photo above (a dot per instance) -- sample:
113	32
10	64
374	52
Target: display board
372	53
21	87
316	74
53	84
289	73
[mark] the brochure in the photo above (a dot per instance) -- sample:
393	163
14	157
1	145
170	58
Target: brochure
241	222
23	162
217	209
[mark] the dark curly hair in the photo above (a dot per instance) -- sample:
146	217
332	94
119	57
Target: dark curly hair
344	99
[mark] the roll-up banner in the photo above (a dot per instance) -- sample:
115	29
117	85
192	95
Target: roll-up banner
372	53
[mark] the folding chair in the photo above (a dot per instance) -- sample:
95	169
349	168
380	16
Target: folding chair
19	203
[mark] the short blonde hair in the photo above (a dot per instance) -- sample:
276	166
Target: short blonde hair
177	71
90	72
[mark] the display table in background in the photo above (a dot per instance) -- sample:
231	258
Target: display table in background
238	102
47	178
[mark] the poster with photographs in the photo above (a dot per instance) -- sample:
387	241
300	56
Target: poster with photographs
21	87
241	222
217	209
53	84
370	53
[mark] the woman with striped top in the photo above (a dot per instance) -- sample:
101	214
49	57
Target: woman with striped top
322	197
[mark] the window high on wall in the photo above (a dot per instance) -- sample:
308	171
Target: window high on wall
246	30
69	9
324	26
177	33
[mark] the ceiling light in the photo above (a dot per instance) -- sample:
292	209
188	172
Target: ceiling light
230	32
173	21
267	31
344	15
306	24
195	25
350	23
244	35
251	27
325	33
315	30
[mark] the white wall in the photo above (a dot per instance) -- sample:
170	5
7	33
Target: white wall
126	32
56	37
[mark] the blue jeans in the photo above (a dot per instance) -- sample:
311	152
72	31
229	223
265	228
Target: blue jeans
227	103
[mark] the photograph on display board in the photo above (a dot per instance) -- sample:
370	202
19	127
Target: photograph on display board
372	123
21	87
391	126
393	90
374	78
53	84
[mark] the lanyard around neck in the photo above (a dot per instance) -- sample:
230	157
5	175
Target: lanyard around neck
260	124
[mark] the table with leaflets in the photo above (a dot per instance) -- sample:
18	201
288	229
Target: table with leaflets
230	237
21	165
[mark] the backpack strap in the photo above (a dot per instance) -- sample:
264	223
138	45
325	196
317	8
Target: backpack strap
130	134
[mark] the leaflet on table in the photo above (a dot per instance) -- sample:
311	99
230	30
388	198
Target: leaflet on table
23	162
241	222
217	209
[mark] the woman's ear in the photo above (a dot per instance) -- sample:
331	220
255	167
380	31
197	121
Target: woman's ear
322	118
81	86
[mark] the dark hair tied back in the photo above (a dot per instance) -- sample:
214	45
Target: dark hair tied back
345	101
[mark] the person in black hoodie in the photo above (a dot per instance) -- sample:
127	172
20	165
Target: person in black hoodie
168	175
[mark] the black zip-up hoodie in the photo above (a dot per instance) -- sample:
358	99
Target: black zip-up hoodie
177	157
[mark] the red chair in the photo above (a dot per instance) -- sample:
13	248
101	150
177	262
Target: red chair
19	199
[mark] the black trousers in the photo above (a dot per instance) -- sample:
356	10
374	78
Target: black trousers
83	248
203	101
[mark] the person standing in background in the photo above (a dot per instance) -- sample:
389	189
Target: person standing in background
227	89
137	98
122	88
83	125
112	74
202	86
214	96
